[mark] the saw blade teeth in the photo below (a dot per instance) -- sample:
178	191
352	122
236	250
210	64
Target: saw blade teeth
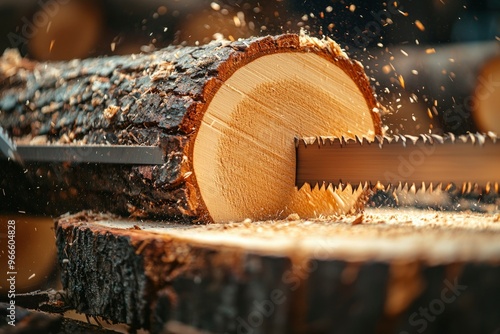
315	187
452	137
438	138
400	186
317	141
339	187
414	139
362	186
308	140
466	187
463	138
481	139
325	186
403	140
326	139
472	138
389	139
423	137
304	187
492	136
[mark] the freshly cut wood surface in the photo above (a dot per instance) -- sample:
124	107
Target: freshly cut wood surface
370	273
226	115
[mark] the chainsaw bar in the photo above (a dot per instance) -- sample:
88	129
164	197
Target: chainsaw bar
423	161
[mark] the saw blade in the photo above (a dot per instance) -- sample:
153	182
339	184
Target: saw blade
423	161
106	154
101	154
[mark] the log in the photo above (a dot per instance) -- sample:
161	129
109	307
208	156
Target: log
387	271
487	96
439	83
225	114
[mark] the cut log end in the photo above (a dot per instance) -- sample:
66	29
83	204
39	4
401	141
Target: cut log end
244	153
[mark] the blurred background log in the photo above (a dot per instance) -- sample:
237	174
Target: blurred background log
487	96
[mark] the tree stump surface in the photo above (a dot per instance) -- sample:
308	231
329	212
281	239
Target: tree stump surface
384	271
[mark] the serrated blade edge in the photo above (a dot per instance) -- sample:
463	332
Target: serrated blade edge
472	159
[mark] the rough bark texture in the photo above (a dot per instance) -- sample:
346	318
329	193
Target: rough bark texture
167	282
149	99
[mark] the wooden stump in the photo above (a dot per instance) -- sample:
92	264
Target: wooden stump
226	115
388	271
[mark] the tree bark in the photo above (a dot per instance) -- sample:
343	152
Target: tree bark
388	271
173	98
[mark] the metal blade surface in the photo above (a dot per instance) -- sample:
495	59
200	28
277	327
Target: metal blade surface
107	154
427	159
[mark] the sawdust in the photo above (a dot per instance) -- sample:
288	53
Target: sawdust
384	235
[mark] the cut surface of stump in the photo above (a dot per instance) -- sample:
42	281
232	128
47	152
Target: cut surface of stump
225	114
363	274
